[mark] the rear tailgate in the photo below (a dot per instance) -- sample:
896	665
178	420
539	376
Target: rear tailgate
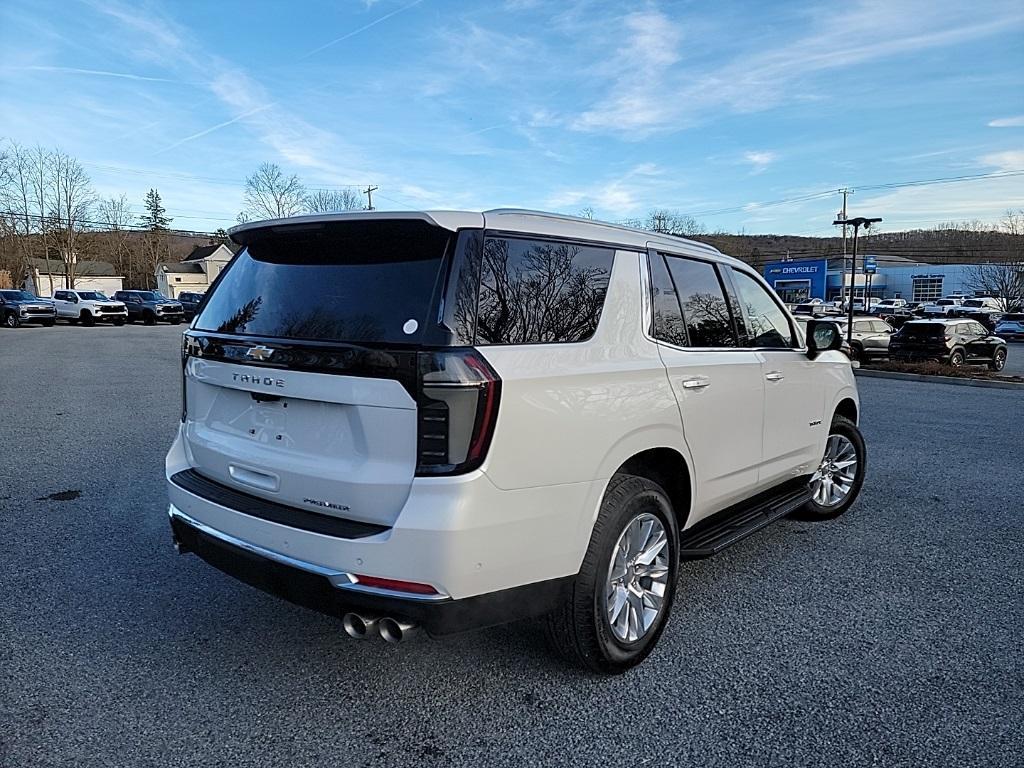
338	445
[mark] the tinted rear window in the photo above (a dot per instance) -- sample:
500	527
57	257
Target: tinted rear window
923	329
364	281
541	291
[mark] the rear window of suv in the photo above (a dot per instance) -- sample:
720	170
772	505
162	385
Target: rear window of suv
362	281
923	329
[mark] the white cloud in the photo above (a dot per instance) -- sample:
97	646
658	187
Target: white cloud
759	160
1010	160
1008	122
638	97
649	88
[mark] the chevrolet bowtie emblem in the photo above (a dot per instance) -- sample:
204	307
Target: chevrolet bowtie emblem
259	353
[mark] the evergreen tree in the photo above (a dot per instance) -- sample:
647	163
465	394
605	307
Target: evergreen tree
155	218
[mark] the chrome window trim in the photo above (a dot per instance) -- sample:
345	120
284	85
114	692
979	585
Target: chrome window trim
647	301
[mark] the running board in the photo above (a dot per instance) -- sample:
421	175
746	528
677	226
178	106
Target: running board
711	536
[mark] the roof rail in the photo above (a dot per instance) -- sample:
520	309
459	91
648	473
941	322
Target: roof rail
599	223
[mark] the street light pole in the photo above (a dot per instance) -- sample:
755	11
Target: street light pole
856	223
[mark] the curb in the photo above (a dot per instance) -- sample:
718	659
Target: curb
983	383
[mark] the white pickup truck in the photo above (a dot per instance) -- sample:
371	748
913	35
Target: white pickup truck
88	307
947	307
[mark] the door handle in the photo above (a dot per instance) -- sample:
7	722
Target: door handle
774	376
698	382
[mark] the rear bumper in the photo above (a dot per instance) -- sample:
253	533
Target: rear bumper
333	593
462	535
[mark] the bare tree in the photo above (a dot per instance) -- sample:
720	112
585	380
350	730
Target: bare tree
115	216
71	199
24	196
673	223
332	200
269	194
1004	282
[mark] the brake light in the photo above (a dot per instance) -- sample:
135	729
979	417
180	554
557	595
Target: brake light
189	348
395	585
458	411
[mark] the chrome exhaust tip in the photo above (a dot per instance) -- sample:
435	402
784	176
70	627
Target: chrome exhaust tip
359	627
395	631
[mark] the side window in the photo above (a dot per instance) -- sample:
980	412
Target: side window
978	329
59	295
706	314
767	324
668	323
540	291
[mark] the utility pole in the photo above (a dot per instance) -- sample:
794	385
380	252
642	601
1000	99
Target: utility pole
842	216
856	223
369	197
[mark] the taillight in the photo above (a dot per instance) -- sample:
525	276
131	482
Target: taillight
189	348
458	409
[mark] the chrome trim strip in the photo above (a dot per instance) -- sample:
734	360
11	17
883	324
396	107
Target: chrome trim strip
338	579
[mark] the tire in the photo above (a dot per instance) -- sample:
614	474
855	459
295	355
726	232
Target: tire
998	360
857	352
580	630
149	318
11	320
822	508
957	359
87	319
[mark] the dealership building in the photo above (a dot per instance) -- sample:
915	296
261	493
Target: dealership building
894	277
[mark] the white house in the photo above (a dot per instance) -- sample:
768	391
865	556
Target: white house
89	276
195	273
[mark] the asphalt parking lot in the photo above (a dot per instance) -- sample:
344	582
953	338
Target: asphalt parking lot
892	636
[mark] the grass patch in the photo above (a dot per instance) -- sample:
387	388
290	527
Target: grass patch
942	369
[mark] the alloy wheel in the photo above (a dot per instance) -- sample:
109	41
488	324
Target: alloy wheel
833	481
637	578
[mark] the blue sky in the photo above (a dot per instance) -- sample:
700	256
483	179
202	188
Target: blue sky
704	108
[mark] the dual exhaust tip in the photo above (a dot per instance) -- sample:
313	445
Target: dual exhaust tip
362	626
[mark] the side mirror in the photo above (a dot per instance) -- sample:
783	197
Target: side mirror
822	336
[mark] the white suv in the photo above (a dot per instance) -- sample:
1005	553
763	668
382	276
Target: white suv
454	420
88	307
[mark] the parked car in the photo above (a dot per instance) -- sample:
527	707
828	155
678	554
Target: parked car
23	308
957	342
409	421
151	307
870	337
982	305
899	316
190	303
88	307
1010	327
888	306
810	307
858	305
946	307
